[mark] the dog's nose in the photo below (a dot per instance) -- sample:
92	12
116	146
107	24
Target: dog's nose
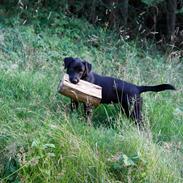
75	81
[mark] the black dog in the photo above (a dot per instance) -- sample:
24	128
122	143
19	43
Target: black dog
113	90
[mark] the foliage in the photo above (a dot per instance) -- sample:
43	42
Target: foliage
152	2
180	11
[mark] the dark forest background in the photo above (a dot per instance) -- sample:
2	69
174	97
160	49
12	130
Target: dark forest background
160	20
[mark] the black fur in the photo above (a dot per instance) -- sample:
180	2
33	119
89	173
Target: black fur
113	90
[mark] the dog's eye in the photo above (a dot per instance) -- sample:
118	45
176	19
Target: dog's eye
79	70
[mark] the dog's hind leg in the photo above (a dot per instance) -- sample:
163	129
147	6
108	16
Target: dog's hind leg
136	112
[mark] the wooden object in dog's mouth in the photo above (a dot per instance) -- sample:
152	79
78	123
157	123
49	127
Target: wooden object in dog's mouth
82	91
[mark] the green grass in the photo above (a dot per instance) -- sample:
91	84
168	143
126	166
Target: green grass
41	141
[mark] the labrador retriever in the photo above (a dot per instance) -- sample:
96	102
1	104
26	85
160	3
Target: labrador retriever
113	90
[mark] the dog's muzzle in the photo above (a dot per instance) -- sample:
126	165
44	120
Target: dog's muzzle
74	80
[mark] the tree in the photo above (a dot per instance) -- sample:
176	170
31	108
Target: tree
171	18
123	12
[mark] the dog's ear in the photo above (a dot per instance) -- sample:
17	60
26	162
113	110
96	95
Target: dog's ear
67	62
88	66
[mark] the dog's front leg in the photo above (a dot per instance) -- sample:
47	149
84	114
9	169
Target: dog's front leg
88	113
74	105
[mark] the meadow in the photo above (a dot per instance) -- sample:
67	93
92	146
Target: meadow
42	141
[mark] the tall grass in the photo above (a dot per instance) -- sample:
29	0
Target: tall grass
41	141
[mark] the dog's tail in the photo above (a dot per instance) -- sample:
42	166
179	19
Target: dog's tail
156	88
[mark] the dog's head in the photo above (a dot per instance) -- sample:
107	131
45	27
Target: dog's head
76	69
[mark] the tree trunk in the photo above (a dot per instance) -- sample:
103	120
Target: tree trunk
171	19
123	12
113	13
93	12
71	7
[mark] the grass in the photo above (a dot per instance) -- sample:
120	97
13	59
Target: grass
41	141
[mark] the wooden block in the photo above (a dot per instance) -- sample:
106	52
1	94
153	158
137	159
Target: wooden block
82	91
